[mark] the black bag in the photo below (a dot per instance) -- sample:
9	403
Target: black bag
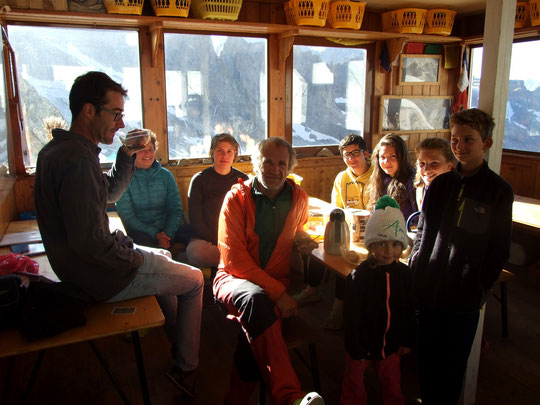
48	310
10	301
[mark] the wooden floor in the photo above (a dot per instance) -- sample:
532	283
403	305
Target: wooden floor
509	368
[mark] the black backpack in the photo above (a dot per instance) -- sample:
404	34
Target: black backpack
10	301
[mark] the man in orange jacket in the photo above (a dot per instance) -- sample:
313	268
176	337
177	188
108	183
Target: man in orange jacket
260	223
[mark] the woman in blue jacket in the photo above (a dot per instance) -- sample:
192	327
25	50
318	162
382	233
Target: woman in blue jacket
150	208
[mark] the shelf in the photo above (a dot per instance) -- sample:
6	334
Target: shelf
191	24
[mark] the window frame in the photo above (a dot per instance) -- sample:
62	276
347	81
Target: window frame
311	151
481	45
165	141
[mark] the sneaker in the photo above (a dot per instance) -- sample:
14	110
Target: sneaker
334	320
184	380
310	399
304	298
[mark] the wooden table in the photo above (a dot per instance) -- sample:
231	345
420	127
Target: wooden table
526	213
31	225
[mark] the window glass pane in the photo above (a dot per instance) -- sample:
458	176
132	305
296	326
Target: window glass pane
49	59
214	84
328	94
3	123
522	126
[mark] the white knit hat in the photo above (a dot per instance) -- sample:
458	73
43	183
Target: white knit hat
386	223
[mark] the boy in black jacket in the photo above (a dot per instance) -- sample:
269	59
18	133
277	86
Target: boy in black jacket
462	244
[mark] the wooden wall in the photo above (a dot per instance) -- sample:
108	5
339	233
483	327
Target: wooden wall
388	84
523	173
318	178
8	209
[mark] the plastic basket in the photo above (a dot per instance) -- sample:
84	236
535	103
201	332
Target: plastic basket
309	12
124	6
534	12
346	14
522	14
217	9
173	8
439	21
404	21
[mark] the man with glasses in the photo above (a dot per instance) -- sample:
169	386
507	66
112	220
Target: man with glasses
71	197
350	191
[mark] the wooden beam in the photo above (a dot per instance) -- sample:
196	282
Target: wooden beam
498	36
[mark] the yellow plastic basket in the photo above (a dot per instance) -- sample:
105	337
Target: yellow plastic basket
404	21
217	9
173	8
309	12
522	14
124	6
439	21
346	14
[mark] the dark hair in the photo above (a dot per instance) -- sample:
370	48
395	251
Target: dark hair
476	119
438	144
352	139
92	87
256	157
224	137
397	188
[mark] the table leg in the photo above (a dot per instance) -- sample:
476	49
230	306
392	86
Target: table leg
140	366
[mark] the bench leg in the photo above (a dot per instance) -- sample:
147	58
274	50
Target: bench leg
140	366
33	377
11	362
314	367
504	310
109	372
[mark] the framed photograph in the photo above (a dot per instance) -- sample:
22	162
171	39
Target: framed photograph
419	69
415	114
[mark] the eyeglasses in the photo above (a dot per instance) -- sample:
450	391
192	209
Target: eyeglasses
117	115
353	154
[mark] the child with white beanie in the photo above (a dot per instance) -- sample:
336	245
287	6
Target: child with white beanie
379	317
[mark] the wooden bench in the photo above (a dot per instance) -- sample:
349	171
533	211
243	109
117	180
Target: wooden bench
100	323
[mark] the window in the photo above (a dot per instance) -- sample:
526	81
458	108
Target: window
3	123
49	59
328	94
214	84
522	126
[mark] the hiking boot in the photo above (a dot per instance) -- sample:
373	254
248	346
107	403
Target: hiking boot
184	380
311	398
305	298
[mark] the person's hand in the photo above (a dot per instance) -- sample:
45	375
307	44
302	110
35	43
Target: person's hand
304	244
163	240
287	306
402	351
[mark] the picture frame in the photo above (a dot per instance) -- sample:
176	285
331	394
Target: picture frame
409	114
419	69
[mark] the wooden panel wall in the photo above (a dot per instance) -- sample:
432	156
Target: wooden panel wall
387	83
7	205
523	173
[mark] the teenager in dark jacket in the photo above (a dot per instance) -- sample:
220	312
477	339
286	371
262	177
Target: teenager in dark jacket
378	309
462	244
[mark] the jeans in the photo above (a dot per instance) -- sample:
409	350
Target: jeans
178	288
201	253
